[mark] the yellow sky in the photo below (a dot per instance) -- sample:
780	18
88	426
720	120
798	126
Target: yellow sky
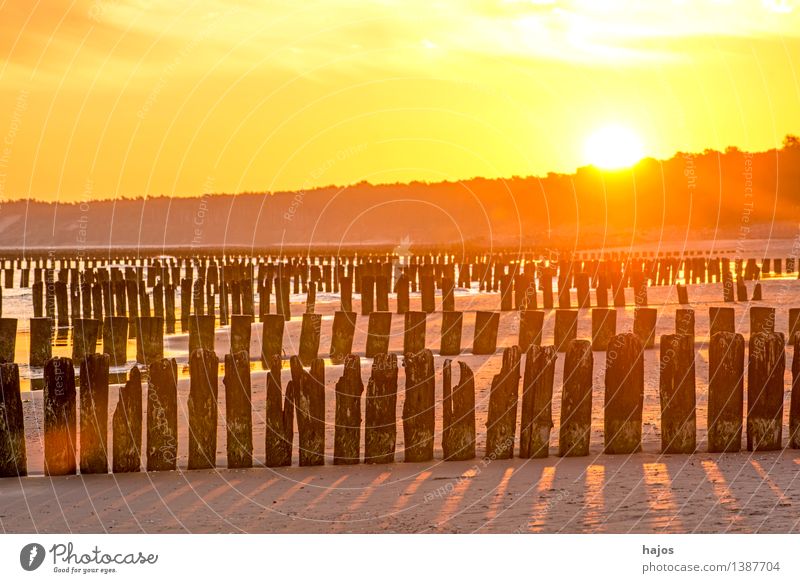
112	98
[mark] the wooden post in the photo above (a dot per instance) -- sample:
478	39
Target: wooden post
115	339
546	281
582	288
537	402
765	370
203	409
8	339
485	338
677	394
531	323
451	333
149	340
721	320
347	437
380	426
41	346
367	295
201	333
347	294
344	327
60	435
794	323
378	330
604	327
162	415
127	426
502	415
576	400
238	410
419	416
448	295
458	434
240	333
762	319
13	457
94	414
279	418
169	308
624	397
401	289
644	325
428	290
741	290
271	339
61	302
308	392
309	338
311	298
382	293
684	322
566	329
794	408
757	297
414	334
683	294
725	392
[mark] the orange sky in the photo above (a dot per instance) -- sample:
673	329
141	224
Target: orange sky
112	98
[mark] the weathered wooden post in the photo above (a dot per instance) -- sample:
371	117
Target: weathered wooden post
604	327
624	397
428	289
309	338
721	320
238	410
762	319
419	416
120	302
683	294
127	426
61	302
132	289
60	419
311	299
644	325
380	426
8	339
271	339
41	346
757	296
378	330
502	416
37	291
94	414
677	394
308	390
162	415
347	437
344	327
382	293
401	288
186	303
684	322
639	282
115	339
448	295
240	333
458	434
203	409
794	408
149	340
765	370
576	400
347	294
537	402
367	295
414	332
582	288
13	457
546	281
201	333
485	337
565	329
725	392
531	323
727	286
279	418
451	333
169	308
741	290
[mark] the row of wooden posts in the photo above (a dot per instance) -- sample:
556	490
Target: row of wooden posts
149	333
67	446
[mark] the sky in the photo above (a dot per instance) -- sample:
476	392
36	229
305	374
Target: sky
106	99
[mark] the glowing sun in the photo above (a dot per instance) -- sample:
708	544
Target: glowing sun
613	147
